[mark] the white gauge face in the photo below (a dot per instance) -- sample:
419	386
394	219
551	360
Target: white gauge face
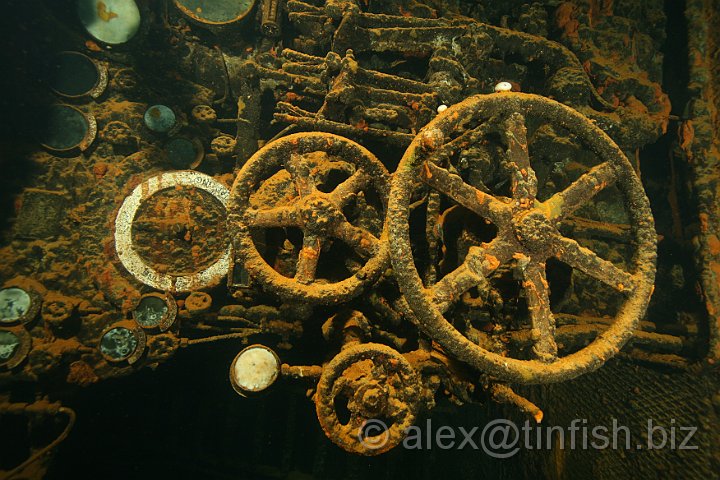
255	369
14	303
110	21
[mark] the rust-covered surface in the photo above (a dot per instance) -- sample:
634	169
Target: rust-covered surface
411	205
699	142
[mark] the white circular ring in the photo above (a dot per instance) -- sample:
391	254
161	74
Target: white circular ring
135	265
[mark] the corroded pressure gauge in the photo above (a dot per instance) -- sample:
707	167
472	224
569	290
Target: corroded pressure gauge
15	344
75	75
110	21
215	13
155	311
18	305
120	343
184	153
66	129
254	370
160	118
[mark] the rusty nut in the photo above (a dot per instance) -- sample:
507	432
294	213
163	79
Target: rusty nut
223	146
198	302
204	114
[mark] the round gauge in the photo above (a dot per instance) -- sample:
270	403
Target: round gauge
180	230
118	344
15	344
9	344
66	128
160	118
110	21
215	12
254	370
170	232
184	153
155	310
73	75
15	303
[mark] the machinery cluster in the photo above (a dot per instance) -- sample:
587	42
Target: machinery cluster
390	201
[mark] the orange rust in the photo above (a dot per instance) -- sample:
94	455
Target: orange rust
687	135
92	46
104	13
492	261
426	170
362	125
292	97
81	373
704	222
713	244
100	169
566	21
404	12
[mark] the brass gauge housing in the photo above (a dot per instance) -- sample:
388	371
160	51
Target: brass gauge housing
254	370
155	311
215	14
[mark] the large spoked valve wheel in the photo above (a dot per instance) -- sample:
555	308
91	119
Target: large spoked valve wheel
527	233
319	214
367	398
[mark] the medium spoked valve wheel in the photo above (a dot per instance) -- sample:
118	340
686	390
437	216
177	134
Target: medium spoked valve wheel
367	398
320	215
527	232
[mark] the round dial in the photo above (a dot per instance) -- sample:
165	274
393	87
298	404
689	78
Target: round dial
215	12
118	343
110	21
14	304
9	343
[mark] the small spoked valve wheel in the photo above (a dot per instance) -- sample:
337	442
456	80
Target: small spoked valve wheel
528	233
285	176
367	398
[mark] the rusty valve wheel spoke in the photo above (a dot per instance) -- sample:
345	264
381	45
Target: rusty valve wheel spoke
273	217
307	157
585	260
562	204
524	180
466	139
466	195
543	322
479	263
365	243
301	175
342	194
308	258
527	232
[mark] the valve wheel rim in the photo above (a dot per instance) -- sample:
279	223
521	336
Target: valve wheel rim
431	319
400	379
269	159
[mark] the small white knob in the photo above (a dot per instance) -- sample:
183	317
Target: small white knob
503	87
442	108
